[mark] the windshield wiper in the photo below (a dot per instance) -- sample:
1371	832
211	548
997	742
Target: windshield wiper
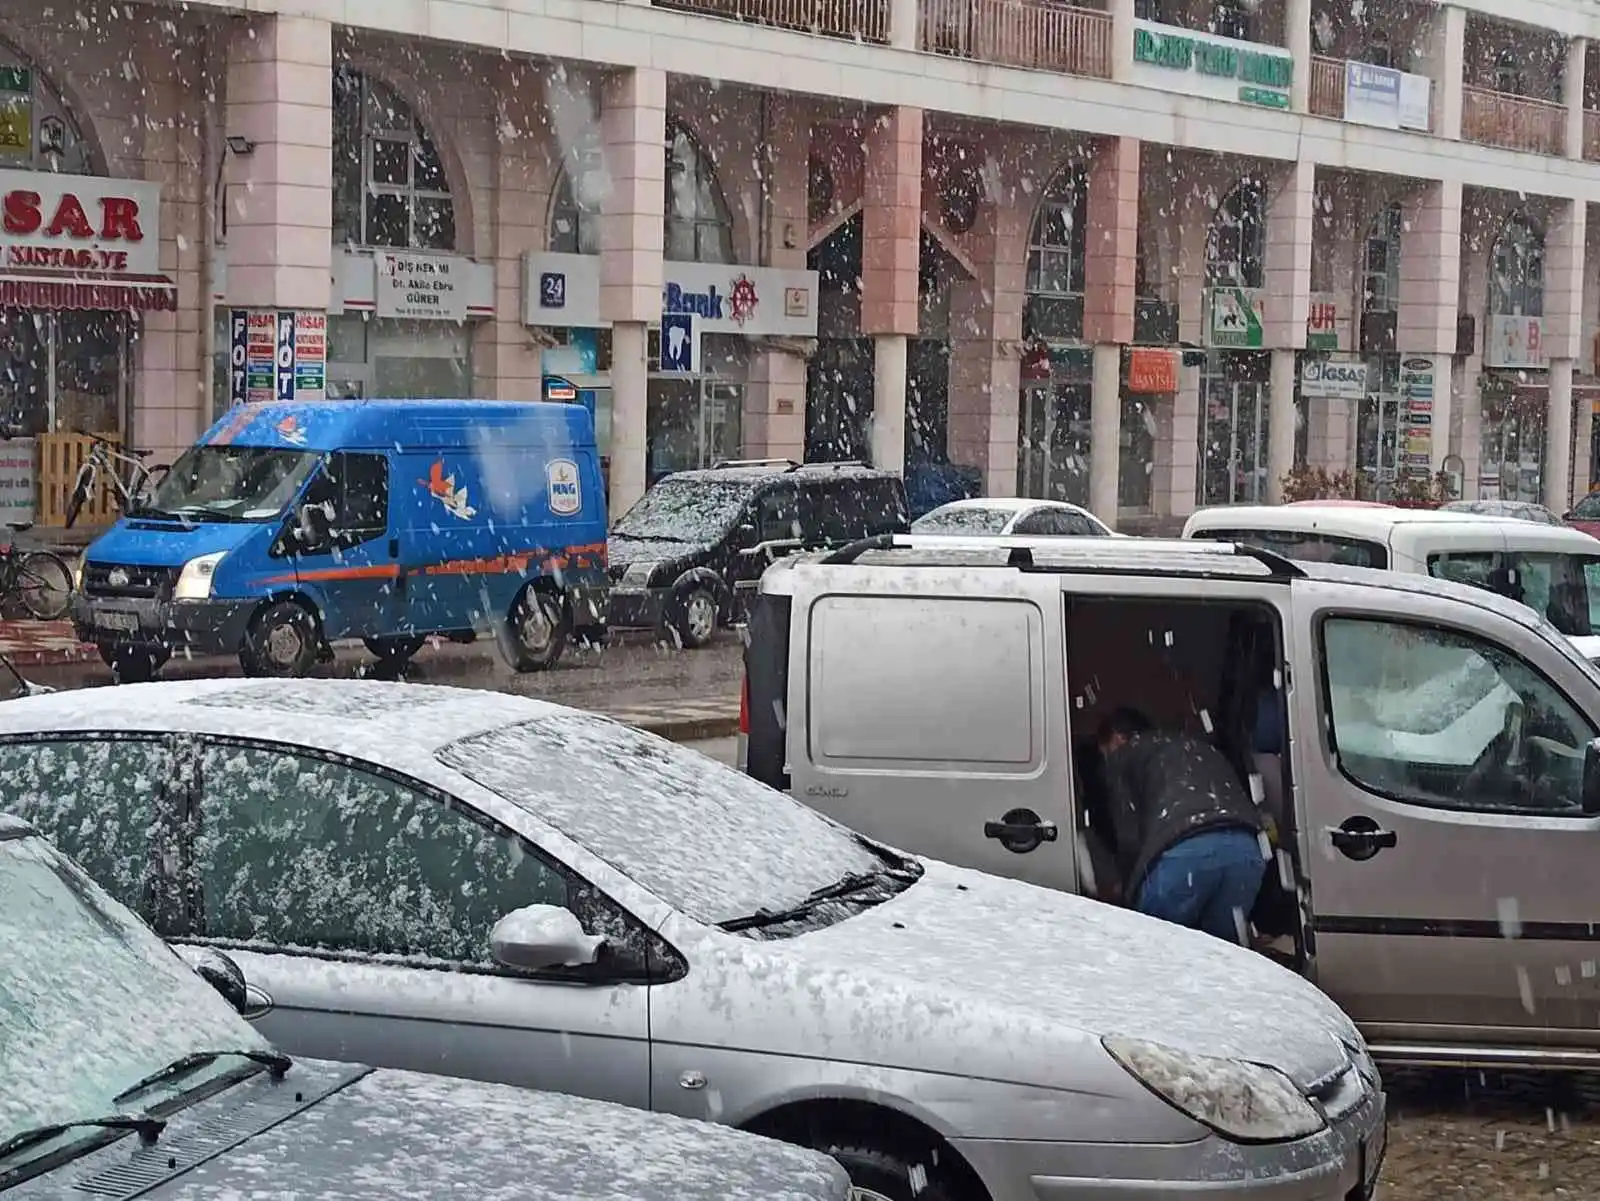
846	886
273	1061
147	1127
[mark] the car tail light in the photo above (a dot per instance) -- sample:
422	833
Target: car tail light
742	755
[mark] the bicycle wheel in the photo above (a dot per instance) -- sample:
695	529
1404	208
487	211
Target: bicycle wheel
43	581
80	493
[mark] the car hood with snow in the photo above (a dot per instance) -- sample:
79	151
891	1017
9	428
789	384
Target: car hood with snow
979	976
333	1130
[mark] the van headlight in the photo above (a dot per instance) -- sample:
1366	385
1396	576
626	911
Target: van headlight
195	580
77	572
1245	1102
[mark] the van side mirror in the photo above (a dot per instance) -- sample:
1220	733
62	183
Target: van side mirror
542	936
1591	777
313	525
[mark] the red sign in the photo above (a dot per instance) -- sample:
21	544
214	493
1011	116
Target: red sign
1152	371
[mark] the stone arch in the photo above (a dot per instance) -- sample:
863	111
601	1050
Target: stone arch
1236	237
1058	233
59	99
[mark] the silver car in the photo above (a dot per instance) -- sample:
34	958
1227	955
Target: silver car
125	1075
494	887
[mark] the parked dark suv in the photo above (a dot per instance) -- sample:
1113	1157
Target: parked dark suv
685	557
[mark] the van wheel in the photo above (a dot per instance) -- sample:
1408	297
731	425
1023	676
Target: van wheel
395	652
692	616
885	1176
537	628
133	664
281	641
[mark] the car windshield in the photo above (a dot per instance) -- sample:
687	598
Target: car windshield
962	519
231	483
91	1001
689	509
708	840
1588	509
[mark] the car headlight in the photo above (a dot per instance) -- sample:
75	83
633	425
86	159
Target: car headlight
1245	1102
639	573
195	580
77	572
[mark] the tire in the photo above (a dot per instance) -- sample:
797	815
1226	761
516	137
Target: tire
692	615
80	495
537	629
281	642
44	585
133	664
891	1176
395	652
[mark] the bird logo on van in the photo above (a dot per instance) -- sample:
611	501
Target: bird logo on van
443	488
291	431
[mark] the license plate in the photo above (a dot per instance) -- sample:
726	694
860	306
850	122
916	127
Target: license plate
124	622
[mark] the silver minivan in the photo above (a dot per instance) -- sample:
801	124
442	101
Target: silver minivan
1438	807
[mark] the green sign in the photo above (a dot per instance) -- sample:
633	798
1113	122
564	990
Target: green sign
1235	318
1264	75
16	79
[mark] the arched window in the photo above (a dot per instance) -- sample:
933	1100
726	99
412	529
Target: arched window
389	183
37	133
1056	240
1380	276
1236	243
1516	275
697	227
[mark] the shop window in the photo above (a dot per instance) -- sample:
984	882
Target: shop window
1516	275
390	188
1058	235
698	227
1380	278
1236	243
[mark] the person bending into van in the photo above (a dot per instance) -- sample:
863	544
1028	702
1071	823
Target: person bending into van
1187	832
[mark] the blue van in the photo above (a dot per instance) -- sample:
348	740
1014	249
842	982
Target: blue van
289	526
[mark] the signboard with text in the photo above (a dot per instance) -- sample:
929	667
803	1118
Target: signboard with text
17	481
1386	98
1515	342
1173	59
1416	419
420	286
1234	318
1325	323
1333	379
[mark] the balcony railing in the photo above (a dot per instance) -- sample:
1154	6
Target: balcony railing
864	20
1591	136
1513	122
1327	87
1019	33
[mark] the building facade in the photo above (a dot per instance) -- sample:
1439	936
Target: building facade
1145	255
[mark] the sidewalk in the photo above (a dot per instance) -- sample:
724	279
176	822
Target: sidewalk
43	644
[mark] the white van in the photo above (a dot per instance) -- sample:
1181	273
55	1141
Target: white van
1554	570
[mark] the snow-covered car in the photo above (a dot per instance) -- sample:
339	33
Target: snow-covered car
1006	516
494	887
125	1074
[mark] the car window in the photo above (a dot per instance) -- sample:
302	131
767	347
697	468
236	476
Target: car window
704	838
823	515
1040	522
1445	719
97	800
300	852
1564	589
1588	509
356	487
962	519
778	515
1307	546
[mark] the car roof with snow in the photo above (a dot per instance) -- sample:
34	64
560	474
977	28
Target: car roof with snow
1009	504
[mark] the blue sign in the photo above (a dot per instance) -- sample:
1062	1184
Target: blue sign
284	363
238	355
707	304
677	342
552	290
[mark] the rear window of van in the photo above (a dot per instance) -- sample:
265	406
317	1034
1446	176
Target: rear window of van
1308	546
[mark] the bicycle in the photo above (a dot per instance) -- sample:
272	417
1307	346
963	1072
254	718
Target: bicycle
40	579
105	456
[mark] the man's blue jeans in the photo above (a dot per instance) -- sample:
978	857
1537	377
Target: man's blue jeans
1209	882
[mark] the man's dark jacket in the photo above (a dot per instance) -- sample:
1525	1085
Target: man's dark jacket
1160	789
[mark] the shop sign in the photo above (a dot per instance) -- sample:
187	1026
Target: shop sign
81	242
1234	318
1324	322
1416	418
1152	372
562	291
678	341
1384	97
17	481
16	112
1173	59
277	355
1515	342
425	287
1333	379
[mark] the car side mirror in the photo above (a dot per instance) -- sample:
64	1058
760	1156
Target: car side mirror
537	937
224	975
1591	777
313	524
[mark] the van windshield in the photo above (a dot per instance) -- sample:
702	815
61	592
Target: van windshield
689	509
1562	588
230	483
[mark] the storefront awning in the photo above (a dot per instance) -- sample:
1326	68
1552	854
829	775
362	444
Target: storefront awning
61	293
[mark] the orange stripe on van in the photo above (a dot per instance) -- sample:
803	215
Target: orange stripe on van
381	571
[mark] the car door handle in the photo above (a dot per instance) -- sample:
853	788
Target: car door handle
1361	838
1021	831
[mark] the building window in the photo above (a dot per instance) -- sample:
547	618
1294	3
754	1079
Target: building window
1057	238
1380	51
390	188
1233	19
1236	244
1508	75
1380	279
697	226
1516	276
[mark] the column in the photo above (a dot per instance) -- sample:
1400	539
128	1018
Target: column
1442	58
1430	291
1298	20
903	24
1563	333
1582	441
1184	484
633	117
1110	268
1572	86
1122	18
1290	214
891	252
